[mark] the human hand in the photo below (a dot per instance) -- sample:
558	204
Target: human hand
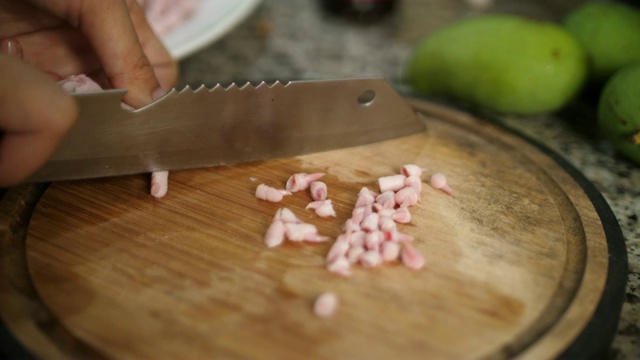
34	115
110	41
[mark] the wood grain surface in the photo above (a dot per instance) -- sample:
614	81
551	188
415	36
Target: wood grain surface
516	259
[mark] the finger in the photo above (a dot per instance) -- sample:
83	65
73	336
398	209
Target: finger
61	51
35	115
108	27
11	47
43	40
164	65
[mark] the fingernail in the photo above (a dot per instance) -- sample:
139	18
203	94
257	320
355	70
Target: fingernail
157	94
11	47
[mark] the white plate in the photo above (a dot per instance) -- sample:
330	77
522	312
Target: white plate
212	20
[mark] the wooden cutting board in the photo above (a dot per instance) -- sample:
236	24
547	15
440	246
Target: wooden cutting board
517	259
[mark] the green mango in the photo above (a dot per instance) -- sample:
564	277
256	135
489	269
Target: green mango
619	111
505	63
610	33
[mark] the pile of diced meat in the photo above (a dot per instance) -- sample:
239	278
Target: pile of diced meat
369	238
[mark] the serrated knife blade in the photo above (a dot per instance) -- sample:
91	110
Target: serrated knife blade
218	126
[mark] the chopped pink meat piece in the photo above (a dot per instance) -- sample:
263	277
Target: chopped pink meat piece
372	240
268	193
366	197
286	215
301	181
414	182
439	181
338	249
340	266
159	182
359	213
386	200
323	208
389	251
303	232
275	234
357	238
325	305
386	223
371	258
385	212
79	83
351	226
318	190
286	226
391	183
354	253
411	258
401	215
411	170
370	223
407	197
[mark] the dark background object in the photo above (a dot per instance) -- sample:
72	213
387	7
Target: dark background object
359	10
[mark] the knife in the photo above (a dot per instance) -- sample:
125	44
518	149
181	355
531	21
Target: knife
229	125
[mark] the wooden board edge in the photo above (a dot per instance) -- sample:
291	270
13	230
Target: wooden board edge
36	331
595	338
15	293
594	341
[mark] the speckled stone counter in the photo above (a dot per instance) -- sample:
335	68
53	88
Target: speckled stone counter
293	39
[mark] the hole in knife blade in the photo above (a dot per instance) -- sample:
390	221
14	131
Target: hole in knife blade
366	98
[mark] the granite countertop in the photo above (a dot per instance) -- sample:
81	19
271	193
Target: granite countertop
292	39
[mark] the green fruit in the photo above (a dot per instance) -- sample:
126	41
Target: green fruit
610	33
502	62
619	111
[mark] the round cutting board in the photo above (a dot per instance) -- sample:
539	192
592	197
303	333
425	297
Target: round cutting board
524	259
